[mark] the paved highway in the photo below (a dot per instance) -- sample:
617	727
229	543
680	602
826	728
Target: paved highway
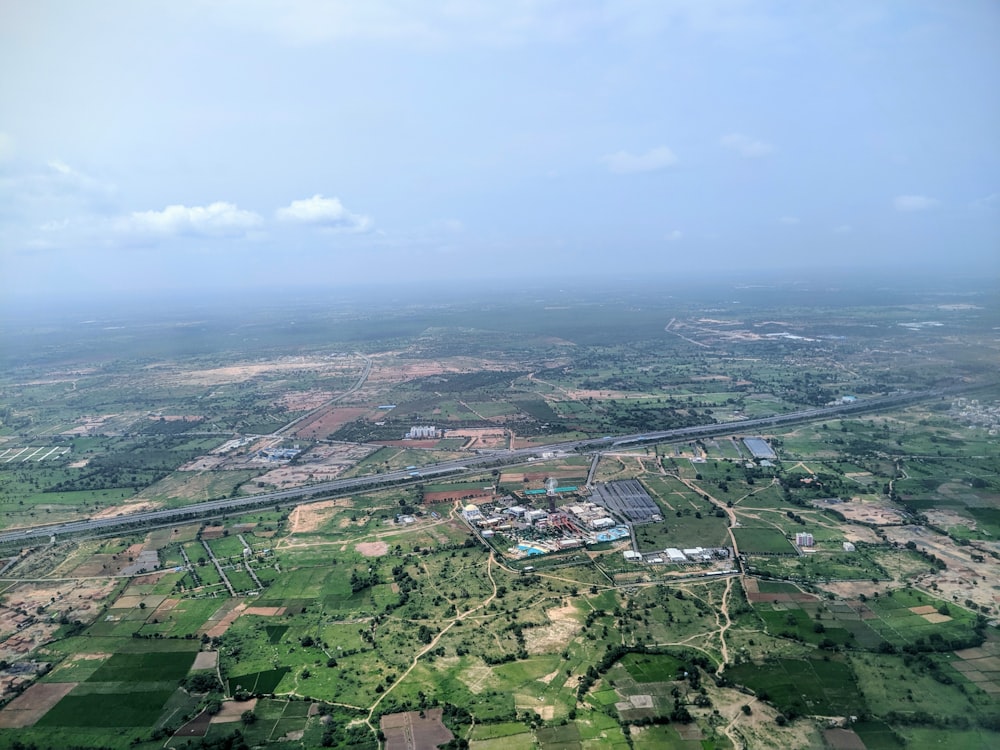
469	464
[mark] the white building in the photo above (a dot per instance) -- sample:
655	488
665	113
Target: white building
422	432
804	539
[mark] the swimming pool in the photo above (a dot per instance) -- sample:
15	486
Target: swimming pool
528	549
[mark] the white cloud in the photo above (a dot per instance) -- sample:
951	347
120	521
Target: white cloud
324	212
989	203
623	162
216	219
912	203
61	167
675	235
745	146
789	220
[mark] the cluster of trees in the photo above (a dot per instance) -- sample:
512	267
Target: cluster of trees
360	582
935	562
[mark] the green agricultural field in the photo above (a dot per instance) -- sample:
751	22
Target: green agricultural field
652	667
256	683
762	541
878	735
777	587
927	684
821	566
800	687
493	731
953	739
667	738
227	547
943	626
110	709
156	666
522	741
791	621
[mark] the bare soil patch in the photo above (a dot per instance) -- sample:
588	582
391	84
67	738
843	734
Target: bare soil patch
265	611
241	373
392	371
635	701
203	463
206	660
126	509
475	677
324	423
225	616
306	518
480	438
128	601
463	494
285	477
961	578
148	580
924	609
79	600
879	513
851	589
89	425
936	617
197	727
33	704
562	629
843	739
758	730
232	710
410	731
372	549
855	533
303	400
166	606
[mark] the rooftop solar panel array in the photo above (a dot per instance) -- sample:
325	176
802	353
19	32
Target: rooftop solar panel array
627	498
759	447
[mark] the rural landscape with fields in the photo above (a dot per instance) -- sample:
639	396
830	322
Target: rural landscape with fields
645	516
475	375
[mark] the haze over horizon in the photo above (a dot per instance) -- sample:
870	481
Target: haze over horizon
214	145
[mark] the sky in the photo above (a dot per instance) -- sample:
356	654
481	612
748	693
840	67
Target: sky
187	145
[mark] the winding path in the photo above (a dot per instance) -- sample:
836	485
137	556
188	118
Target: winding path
434	642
